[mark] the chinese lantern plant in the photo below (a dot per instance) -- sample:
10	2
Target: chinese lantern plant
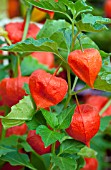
49	110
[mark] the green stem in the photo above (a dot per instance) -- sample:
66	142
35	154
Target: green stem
6	110
68	16
105	107
53	148
28	16
53	167
61	57
67	101
84	88
17	72
81	45
76	36
68	69
69	88
29	11
8	40
57	69
77	101
3	133
53	152
69	79
73	37
75	82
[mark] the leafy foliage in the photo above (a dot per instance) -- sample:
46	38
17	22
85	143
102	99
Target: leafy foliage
64	163
29	65
105	122
49	28
90	23
5	150
102	84
16	158
87	152
50	5
60	121
20	112
51	118
51	137
36	121
56	36
30	45
81	6
70	146
65	117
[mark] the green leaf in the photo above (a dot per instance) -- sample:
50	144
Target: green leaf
85	41
54	30
14	64
30	64
3	71
37	161
101	145
51	118
106	67
59	38
52	26
31	45
10	141
50	5
104	54
6	149
70	146
71	6
105	122
15	158
101	84
87	152
90	23
89	18
106	76
105	72
57	108
68	37
36	121
46	159
3	74
81	6
25	3
49	136
24	145
2	42
87	27
64	163
65	117
26	88
20	112
32	124
80	162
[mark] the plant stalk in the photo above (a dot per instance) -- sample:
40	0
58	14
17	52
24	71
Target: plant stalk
28	16
73	37
75	82
78	91
69	88
105	107
81	45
